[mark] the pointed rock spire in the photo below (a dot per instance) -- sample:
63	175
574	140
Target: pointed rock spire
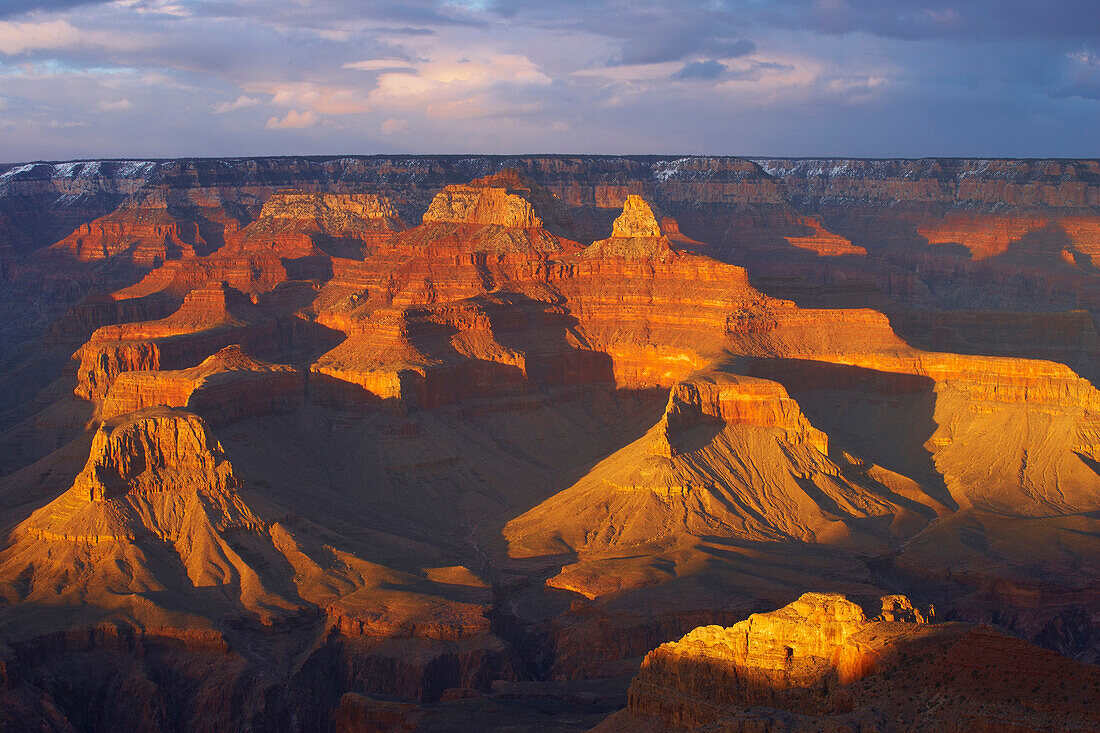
637	219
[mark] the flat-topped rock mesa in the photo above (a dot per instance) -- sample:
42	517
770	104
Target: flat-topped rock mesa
722	397
295	224
505	212
729	452
475	238
336	214
501	200
821	661
226	386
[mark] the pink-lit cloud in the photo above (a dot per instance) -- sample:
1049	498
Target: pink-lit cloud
854	77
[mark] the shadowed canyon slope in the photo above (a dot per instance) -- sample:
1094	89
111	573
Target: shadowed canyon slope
326	443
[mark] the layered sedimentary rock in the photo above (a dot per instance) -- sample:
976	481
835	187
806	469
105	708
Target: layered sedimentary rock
733	455
820	661
226	386
296	224
210	319
482	347
144	230
496	214
583	406
637	234
144	458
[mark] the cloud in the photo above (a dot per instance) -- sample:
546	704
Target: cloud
293	120
379	65
240	102
1082	76
917	19
11	8
19	37
120	105
709	69
392	126
515	75
319	98
464	88
66	124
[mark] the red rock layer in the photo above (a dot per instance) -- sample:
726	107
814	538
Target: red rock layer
822	242
144	231
984	236
226	386
210	319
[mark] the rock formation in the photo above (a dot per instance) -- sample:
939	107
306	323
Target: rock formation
253	424
296	224
819	661
226	386
636	234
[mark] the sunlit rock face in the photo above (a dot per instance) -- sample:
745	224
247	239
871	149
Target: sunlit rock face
296	224
637	234
493	201
143	231
820	661
226	386
163	460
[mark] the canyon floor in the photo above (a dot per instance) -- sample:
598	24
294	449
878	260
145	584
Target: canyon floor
549	443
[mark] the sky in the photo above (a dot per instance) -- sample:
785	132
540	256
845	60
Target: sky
868	78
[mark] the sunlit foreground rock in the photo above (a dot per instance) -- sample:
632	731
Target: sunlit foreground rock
820	664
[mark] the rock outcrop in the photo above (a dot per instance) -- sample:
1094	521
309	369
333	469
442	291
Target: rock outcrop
211	318
820	661
295	224
226	386
636	234
165	460
497	200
